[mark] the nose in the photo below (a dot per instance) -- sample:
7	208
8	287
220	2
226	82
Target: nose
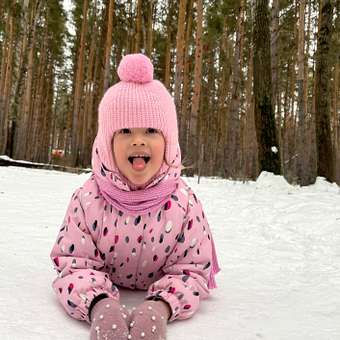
138	139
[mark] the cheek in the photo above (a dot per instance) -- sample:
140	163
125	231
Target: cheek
160	149
118	150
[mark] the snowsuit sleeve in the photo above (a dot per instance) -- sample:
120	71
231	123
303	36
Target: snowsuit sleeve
189	266
78	263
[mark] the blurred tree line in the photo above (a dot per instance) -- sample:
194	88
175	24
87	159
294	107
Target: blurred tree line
255	83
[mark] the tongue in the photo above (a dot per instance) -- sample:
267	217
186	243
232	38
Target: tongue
138	163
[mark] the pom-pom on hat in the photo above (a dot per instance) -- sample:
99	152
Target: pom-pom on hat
137	101
135	68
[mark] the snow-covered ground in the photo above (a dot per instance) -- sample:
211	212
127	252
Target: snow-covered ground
278	247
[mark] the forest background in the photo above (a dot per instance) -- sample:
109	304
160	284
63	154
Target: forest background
255	82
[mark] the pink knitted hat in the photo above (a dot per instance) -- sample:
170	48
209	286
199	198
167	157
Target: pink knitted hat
137	101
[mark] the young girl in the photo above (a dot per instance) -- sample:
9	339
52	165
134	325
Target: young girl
134	223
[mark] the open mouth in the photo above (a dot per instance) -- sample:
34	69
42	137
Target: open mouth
145	158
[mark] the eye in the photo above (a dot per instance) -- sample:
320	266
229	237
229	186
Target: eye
151	130
125	131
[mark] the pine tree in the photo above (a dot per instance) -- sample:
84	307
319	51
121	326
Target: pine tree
268	148
322	93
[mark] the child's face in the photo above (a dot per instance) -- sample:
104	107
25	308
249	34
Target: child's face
148	144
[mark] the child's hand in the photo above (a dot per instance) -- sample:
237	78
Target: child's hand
109	321
148	321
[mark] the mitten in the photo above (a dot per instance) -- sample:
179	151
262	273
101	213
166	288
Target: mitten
149	320
109	320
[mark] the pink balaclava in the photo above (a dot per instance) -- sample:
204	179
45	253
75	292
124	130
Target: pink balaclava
137	101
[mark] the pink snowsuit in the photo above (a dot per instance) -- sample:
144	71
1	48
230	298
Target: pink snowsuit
169	252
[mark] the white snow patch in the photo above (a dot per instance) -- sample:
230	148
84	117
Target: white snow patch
269	180
278	246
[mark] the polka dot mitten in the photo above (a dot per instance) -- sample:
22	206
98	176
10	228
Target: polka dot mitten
109	320
149	320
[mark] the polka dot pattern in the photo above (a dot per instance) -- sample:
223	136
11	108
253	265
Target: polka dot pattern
167	252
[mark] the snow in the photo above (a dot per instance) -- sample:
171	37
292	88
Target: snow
278	247
274	149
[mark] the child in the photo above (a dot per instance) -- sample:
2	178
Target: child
134	223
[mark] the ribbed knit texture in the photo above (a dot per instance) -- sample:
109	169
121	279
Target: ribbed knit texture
139	104
140	201
137	101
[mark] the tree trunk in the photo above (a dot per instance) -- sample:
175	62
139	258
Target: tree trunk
336	108
138	35
108	44
250	163
303	170
223	80
26	102
78	92
274	36
149	28
28	108
45	145
39	101
232	148
179	56
88	111
184	123
268	148
20	54
325	166
6	82
167	65
197	79
336	117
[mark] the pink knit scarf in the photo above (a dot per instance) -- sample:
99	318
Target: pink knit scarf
147	200
137	201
